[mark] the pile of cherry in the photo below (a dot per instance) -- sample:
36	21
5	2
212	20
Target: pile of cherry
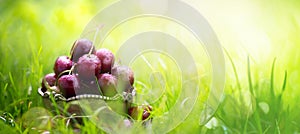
88	73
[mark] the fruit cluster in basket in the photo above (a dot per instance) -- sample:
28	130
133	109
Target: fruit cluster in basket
91	73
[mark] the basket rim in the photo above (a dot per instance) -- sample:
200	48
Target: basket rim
125	96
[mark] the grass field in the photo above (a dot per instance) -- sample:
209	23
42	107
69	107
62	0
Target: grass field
260	40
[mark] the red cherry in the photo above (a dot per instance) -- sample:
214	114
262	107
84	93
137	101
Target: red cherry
62	63
81	47
140	112
87	67
107	59
68	84
124	76
146	112
107	84
50	79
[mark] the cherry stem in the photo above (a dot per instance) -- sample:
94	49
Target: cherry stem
91	50
72	68
95	36
48	87
72	49
46	84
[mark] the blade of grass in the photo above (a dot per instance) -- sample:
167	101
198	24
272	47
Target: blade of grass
277	126
12	82
237	80
246	124
266	130
258	122
249	77
284	82
283	88
256	114
234	69
272	80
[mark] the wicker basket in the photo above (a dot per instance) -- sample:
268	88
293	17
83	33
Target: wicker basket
58	104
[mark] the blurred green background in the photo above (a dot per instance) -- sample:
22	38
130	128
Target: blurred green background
33	33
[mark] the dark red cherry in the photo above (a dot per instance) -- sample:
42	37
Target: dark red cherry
146	112
49	79
107	84
67	85
140	112
87	67
124	76
107	59
62	63
81	47
123	73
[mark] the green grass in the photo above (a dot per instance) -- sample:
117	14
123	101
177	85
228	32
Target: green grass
260	96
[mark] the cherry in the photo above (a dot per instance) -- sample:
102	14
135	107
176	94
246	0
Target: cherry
146	112
68	84
107	59
49	79
62	63
123	73
88	66
107	84
81	47
125	77
140	112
